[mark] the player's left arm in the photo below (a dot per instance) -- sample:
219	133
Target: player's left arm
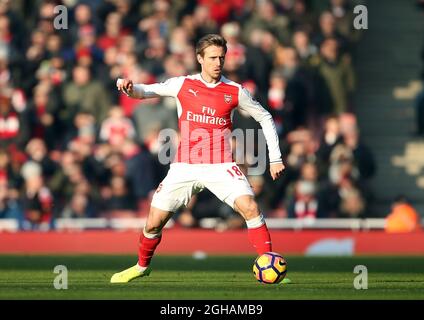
261	115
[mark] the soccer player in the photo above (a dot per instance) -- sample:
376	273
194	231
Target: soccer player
205	104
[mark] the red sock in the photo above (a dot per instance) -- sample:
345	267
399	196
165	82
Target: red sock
260	239
146	249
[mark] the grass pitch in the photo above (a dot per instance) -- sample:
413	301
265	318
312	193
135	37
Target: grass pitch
215	277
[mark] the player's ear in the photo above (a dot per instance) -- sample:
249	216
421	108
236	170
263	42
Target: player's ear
199	59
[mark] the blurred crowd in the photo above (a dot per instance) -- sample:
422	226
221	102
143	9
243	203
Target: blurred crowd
72	146
419	104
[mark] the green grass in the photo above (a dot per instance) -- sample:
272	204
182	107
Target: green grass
177	277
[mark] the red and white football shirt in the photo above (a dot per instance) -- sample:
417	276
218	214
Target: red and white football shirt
205	112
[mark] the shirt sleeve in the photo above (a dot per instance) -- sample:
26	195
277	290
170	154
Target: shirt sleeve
168	88
254	109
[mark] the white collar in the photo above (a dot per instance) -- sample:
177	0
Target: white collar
209	85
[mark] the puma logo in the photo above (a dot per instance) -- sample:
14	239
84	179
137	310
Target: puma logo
193	92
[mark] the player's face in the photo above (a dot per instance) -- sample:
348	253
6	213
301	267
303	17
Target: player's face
212	63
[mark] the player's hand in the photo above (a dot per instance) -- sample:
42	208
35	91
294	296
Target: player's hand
125	85
276	169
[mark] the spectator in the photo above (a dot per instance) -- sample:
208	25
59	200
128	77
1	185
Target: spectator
37	199
12	28
266	17
276	97
219	10
299	148
179	41
154	55
343	14
118	199
305	195
297	97
37	152
54	45
403	217
352	202
331	137
304	203
419	103
338	74
15	129
160	18
201	22
10	49
113	32
109	71
9	175
79	206
5	74
327	30
300	16
85	51
46	16
419	111
66	177
235	57
362	155
259	64
84	94
141	172
10	183
307	52
42	111
116	128
9	206
83	17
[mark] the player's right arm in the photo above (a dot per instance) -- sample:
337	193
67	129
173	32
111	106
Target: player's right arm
169	88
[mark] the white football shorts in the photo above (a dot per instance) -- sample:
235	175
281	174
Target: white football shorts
184	180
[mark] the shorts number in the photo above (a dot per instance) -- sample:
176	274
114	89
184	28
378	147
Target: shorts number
236	171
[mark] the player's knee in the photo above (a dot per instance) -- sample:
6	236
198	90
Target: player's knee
250	210
156	220
152	229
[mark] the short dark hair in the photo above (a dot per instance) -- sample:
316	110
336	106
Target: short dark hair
210	40
402	198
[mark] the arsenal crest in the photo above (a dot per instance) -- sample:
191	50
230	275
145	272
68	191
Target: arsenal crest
228	98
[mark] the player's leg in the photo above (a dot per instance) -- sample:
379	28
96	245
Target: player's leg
256	226
174	191
149	240
230	185
151	235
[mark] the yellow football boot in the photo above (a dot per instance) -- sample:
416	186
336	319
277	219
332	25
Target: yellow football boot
129	274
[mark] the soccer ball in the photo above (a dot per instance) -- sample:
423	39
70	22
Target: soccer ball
270	268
